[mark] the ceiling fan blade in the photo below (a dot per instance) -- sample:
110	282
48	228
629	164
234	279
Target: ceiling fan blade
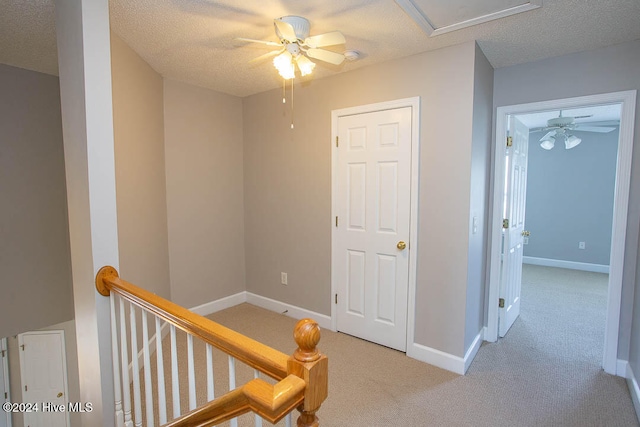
266	55
327	39
286	30
599	129
326	56
268	43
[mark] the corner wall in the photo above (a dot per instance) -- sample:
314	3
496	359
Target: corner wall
204	172
138	125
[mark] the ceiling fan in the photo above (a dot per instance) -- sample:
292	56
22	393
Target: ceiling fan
297	46
560	127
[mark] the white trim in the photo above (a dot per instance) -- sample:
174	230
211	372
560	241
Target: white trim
571	265
5	371
421	20
621	203
290	310
634	389
446	361
473	350
621	370
220	304
414	103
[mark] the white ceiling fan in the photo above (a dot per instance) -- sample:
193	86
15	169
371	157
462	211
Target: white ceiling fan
297	46
560	127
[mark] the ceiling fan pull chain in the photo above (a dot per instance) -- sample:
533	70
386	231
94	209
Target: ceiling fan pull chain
284	84
292	103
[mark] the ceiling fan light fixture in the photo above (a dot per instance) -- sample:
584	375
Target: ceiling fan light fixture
548	143
284	65
305	65
571	141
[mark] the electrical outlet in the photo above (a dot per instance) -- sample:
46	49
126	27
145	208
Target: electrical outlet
581	245
283	278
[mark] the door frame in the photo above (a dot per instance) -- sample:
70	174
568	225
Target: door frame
414	103
627	99
63	348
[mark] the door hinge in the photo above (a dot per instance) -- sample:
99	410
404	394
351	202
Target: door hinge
336	221
3	353
22	346
336	298
501	303
505	223
336	141
509	141
25	388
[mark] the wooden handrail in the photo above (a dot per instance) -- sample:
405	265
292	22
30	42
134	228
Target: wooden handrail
303	377
271	402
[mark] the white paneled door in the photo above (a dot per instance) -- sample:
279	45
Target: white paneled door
513	228
44	377
371	240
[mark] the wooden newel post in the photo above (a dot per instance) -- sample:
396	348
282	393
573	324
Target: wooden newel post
313	367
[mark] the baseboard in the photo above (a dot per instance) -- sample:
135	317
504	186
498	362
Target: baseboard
621	368
220	304
436	358
632	382
473	350
290	310
571	265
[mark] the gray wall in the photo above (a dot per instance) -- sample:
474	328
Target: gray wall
204	169
138	127
287	188
479	199
610	69
570	198
34	254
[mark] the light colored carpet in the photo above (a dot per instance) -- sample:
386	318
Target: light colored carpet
545	372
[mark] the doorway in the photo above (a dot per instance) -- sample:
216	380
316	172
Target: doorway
621	198
374	216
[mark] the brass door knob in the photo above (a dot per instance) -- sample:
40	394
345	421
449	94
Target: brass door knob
525	233
60	394
401	245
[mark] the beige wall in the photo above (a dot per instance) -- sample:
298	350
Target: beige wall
288	186
203	156
34	254
138	122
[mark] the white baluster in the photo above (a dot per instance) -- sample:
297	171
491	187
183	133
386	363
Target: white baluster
191	373
137	404
232	384
210	388
287	420
175	386
258	422
126	394
148	391
116	362
162	399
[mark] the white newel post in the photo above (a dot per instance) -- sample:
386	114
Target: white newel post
84	63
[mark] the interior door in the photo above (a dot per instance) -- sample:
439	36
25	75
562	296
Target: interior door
513	227
371	240
44	377
5	417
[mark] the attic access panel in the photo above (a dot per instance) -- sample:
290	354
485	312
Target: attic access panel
437	17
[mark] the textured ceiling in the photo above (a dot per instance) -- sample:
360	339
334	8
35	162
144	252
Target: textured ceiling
193	40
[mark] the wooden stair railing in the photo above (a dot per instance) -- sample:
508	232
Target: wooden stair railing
302	377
